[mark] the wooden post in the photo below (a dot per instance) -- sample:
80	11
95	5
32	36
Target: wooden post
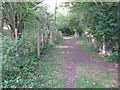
38	39
118	31
42	40
1	56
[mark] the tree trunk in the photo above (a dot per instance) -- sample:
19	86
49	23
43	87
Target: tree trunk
51	38
42	40
16	34
60	33
1	25
118	31
76	34
14	20
103	47
1	53
48	37
94	41
20	29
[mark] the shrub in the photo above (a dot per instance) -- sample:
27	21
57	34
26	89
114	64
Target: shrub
113	57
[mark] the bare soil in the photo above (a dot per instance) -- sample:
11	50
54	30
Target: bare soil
77	60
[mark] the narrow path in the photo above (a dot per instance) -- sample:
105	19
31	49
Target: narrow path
76	58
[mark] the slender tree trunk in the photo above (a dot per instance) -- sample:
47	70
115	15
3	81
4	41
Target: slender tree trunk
48	37
94	41
118	31
77	34
60	33
42	40
55	11
1	56
51	38
103	47
16	34
1	51
2	25
20	29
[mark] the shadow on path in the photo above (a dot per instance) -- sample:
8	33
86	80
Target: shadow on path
74	57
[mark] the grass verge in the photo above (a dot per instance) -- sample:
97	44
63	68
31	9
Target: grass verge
84	82
93	76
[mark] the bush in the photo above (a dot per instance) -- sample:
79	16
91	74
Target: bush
17	64
113	57
20	63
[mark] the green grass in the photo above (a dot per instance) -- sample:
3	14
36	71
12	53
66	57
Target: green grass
85	82
48	72
102	78
49	68
107	78
90	49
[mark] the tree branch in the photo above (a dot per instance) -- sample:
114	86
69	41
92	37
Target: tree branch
95	2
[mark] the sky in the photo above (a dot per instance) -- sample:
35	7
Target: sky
52	3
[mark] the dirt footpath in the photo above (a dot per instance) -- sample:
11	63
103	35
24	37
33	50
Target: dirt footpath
76	59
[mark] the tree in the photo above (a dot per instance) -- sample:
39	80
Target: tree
15	13
97	21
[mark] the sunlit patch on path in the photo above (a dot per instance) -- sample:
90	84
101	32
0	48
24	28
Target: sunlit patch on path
67	38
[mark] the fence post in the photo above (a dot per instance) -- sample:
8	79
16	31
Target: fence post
38	38
118	30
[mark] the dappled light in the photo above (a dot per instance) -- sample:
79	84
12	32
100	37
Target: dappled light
59	44
64	46
67	38
71	52
80	65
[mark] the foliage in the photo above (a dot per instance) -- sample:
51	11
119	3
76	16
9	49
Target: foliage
113	57
26	71
21	67
98	21
15	13
59	41
17	65
92	51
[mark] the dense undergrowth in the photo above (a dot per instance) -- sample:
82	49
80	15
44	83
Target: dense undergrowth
24	70
94	52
